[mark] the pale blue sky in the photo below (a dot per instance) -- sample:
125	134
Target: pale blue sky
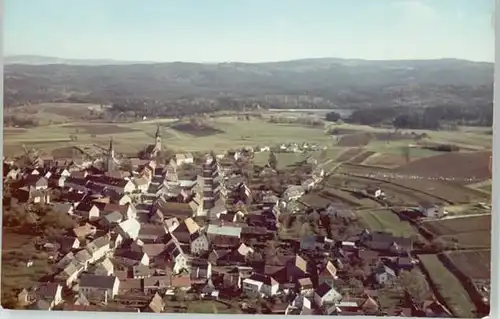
250	30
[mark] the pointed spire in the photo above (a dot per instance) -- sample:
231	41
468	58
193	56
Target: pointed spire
111	144
158	131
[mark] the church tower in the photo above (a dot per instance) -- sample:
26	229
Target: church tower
110	161
158	139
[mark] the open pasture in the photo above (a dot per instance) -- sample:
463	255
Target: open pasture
136	136
348	198
457	225
360	158
385	160
349	154
99	129
443	190
452	165
284	160
396	195
474	264
448	286
13	131
464	231
356	139
386	220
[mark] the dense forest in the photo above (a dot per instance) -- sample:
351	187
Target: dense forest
415	92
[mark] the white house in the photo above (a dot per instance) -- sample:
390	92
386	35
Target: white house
71	272
121	186
99	288
293	192
98	248
260	284
177	256
430	210
325	294
88	211
171	224
199	244
129	229
142	184
104	268
14	173
124	200
133	257
375	192
186	158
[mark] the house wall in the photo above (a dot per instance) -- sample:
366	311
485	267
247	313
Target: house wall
58	296
329	297
381	278
125	200
250	288
101	271
73	277
145	260
180	263
143	188
101	252
199	245
93	213
433	212
318	300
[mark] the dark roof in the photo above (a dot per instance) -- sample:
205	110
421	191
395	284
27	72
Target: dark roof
106	180
384	269
129	254
73	196
153	250
47	290
427	205
95	188
266	280
323	289
85	206
96	281
76	181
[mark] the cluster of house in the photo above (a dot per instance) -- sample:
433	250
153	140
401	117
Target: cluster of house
299	147
150	233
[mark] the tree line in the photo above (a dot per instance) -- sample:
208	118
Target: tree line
435	117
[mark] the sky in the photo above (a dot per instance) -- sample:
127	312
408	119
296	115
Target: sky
249	30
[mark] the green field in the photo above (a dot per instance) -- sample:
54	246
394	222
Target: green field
227	133
449	287
387	221
234	134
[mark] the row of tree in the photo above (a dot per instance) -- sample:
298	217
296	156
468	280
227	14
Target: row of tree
422	118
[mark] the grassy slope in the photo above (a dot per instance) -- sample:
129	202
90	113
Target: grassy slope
456	297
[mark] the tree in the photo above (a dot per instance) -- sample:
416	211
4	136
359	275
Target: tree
273	161
332	117
415	284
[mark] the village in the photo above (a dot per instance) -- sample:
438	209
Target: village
212	234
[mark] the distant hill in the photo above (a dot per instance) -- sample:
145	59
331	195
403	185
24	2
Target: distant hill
44	60
327	82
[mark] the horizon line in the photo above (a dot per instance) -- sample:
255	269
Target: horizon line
237	61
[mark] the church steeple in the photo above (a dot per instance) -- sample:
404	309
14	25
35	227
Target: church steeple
110	161
111	149
158	139
158	131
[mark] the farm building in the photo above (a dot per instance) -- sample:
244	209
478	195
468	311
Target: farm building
374	191
431	210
